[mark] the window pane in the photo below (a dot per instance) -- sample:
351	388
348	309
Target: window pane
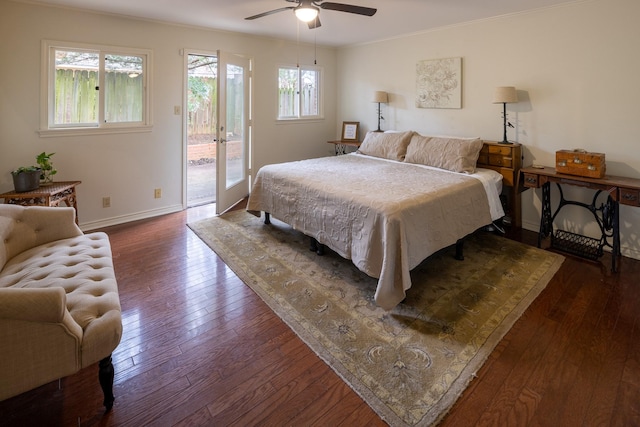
124	89
235	125
309	93
93	86
75	82
288	92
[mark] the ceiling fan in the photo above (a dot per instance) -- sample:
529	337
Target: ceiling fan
308	10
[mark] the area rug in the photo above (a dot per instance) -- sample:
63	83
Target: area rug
409	364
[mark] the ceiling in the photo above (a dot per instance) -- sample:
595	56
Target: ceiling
394	17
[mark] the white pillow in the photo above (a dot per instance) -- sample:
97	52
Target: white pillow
454	154
387	145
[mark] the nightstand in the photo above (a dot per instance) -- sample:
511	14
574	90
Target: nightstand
341	146
507	160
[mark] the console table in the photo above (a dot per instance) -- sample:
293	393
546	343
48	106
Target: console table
46	195
619	190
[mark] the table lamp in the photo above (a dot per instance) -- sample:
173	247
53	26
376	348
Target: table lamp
381	98
505	95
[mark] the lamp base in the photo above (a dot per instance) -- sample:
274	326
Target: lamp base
379	118
504	124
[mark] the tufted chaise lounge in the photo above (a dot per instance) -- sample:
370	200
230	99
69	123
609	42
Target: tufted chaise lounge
59	304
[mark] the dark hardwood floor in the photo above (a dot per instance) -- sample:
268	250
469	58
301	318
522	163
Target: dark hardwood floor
200	348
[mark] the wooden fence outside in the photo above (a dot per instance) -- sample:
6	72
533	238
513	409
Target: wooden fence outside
76	97
288	105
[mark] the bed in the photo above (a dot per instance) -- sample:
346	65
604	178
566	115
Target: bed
400	198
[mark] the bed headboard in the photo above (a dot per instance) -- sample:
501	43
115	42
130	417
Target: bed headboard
507	160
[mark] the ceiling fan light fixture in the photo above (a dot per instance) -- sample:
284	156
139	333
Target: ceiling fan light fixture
306	13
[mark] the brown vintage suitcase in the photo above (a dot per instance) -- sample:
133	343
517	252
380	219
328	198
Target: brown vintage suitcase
580	162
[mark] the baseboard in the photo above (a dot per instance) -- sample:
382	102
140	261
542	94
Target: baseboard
531	226
630	253
88	226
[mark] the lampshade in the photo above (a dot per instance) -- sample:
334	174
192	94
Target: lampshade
505	94
381	97
306	13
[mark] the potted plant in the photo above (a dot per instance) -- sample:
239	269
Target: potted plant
26	178
44	161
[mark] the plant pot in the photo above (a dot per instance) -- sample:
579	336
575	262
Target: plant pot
26	181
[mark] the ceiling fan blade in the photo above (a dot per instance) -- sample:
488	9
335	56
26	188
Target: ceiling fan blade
271	12
314	23
341	7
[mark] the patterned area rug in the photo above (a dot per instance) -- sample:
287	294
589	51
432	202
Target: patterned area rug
409	364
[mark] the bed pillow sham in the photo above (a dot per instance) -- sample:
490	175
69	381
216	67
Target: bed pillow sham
392	146
454	154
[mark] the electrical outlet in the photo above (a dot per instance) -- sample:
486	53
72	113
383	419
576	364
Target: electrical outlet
157	193
106	202
177	110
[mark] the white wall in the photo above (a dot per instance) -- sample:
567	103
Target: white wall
576	68
127	167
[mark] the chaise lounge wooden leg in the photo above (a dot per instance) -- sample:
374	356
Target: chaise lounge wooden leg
267	218
105	376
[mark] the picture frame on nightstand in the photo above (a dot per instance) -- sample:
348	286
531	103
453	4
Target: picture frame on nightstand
350	131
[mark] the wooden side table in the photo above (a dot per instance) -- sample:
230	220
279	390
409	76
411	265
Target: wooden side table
505	159
47	195
341	146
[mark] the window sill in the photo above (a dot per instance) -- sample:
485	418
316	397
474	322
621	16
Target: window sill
297	120
49	133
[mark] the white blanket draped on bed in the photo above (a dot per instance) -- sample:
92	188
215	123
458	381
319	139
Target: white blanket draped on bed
385	216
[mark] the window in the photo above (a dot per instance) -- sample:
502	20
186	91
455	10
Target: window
299	93
92	88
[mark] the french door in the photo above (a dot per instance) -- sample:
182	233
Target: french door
218	132
200	123
233	133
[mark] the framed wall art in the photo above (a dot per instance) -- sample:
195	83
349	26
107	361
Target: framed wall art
350	131
439	83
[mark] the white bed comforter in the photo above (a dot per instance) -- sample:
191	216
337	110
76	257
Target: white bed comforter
385	216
